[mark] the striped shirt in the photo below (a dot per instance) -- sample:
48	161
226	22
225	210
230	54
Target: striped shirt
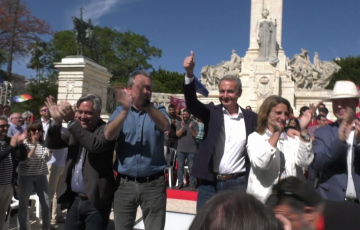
6	166
36	164
201	132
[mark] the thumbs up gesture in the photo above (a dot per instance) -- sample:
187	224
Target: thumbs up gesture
189	65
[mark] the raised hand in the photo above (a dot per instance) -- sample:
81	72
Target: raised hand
66	110
22	137
123	99
306	119
182	124
14	139
189	64
345	129
53	109
191	124
273	122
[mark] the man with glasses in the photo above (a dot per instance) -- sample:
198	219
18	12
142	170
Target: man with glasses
45	118
16	123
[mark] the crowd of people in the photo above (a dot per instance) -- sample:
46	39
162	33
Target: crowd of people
264	170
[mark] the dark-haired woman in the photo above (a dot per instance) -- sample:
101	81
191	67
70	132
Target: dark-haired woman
273	155
33	174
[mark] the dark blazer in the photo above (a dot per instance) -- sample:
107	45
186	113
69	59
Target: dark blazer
341	215
98	173
330	161
213	118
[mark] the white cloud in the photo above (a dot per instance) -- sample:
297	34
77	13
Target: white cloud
95	9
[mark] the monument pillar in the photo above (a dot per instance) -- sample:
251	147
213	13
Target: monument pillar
263	77
79	76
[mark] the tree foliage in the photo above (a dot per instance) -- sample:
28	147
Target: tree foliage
350	70
120	52
27	28
166	81
38	91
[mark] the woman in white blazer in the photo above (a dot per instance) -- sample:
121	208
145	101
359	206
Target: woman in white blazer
273	155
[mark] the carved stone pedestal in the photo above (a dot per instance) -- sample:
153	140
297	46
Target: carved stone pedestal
79	76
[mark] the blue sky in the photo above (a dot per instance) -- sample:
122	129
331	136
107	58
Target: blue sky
210	28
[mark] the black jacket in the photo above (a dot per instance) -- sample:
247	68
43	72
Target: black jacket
213	118
19	153
98	173
341	215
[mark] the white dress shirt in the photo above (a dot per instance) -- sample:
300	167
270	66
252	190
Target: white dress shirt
265	162
45	125
350	190
228	157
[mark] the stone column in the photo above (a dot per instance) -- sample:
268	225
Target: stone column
79	76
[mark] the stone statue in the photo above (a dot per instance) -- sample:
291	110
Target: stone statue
311	76
211	75
84	35
266	38
317	63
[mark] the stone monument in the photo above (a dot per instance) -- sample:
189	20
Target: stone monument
265	70
79	75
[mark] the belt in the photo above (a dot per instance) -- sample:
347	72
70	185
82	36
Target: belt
82	196
352	200
224	177
143	179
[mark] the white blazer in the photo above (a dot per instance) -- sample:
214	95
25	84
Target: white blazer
265	162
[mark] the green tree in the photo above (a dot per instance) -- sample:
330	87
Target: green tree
38	91
166	81
120	52
350	70
36	61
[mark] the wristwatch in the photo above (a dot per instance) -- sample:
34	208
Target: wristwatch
306	137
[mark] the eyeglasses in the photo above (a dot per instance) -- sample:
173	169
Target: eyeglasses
4	126
34	130
44	110
18	118
28	118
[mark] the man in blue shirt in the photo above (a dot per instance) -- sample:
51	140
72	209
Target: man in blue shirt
16	121
139	128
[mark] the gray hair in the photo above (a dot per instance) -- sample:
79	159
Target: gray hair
13	114
96	100
27	114
232	78
132	76
4	118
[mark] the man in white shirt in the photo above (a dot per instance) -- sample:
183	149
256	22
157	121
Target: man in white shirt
337	147
222	162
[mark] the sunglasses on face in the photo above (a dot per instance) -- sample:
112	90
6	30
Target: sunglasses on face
34	130
28	118
44	110
4	126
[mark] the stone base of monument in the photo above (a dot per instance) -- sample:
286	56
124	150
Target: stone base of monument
79	76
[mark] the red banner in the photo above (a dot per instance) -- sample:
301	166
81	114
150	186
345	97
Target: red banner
178	102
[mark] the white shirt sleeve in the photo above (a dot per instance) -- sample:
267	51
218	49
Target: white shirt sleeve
260	152
305	154
188	80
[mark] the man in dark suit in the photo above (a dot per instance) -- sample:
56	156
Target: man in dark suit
222	162
296	201
337	148
88	182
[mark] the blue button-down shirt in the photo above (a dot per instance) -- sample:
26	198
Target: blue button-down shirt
13	129
140	150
